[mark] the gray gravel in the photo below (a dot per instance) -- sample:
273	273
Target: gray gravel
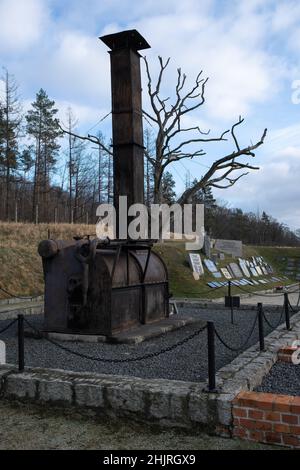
283	378
188	362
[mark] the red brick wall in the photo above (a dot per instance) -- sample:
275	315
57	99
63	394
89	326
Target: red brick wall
285	354
267	418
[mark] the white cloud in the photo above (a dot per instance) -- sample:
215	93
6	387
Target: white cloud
242	74
21	23
286	15
274	188
81	68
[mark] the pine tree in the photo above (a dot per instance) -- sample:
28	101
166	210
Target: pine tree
167	188
204	196
10	129
43	126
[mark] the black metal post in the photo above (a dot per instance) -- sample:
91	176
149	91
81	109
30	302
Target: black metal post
287	311
21	342
231	302
261	327
211	356
229	288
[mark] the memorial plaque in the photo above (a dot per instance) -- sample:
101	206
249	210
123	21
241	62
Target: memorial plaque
211	285
235	283
210	265
259	270
244	267
2	353
236	270
217	275
231	247
196	263
254	272
226	273
264	270
218	284
269	269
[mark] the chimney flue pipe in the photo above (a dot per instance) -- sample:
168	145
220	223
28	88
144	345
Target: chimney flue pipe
128	141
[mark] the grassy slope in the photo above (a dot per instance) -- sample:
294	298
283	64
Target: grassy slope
21	267
182	283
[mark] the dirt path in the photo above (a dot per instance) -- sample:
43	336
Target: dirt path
24	427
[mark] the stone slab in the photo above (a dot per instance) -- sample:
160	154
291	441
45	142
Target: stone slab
231	247
196	263
236	270
133	336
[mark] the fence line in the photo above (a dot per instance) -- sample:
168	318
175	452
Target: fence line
242	347
19	296
211	332
122	361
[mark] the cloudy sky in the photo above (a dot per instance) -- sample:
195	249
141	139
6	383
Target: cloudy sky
249	49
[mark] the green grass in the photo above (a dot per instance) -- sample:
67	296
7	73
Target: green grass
182	283
21	266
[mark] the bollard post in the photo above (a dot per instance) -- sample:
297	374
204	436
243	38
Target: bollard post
211	357
21	342
261	327
229	288
229	297
287	311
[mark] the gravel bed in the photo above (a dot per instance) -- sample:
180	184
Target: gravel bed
283	378
188	362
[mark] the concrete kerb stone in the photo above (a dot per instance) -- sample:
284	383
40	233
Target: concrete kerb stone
166	402
56	391
22	385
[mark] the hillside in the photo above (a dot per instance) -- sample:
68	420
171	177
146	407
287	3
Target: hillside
21	265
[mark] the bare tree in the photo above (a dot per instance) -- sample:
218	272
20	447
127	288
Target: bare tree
72	122
171	146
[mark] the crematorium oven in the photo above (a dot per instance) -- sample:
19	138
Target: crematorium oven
107	286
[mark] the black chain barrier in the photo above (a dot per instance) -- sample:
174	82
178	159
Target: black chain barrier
279	321
294	310
8	326
19	296
121	361
258	294
242	347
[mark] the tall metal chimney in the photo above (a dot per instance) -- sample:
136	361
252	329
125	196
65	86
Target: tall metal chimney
128	142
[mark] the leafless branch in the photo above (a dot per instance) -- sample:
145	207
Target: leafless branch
229	162
95	140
